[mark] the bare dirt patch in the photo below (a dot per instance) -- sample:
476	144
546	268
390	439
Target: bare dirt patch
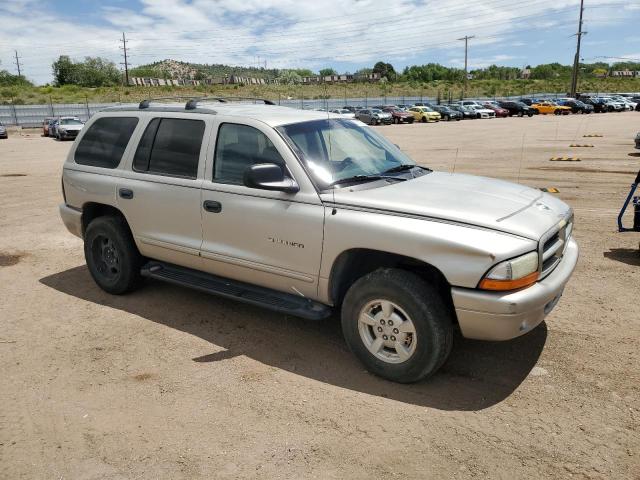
225	390
7	260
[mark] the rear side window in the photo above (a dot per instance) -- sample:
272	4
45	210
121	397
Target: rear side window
170	146
105	141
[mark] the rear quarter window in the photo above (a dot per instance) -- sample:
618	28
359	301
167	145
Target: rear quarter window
104	143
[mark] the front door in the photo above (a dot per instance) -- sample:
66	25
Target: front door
268	238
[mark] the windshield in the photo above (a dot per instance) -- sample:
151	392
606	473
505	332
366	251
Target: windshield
337	149
70	121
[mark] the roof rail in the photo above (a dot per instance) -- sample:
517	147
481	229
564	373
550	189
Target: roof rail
193	103
147	103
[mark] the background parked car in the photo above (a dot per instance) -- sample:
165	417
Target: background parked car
599	106
576	106
53	123
447	113
612	105
424	114
482	112
548	106
68	127
3	131
374	116
631	105
343	112
467	113
45	126
398	115
499	111
638	141
518	109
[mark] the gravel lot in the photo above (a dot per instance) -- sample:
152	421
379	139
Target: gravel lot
172	383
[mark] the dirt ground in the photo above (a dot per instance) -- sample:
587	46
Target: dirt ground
174	384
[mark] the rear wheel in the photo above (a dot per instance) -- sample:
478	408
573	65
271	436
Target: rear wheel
424	120
112	256
520	113
397	325
557	112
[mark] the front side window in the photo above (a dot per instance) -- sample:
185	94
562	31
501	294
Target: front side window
238	147
337	149
105	141
170	146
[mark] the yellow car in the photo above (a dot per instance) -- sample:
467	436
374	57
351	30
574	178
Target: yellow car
550	107
424	114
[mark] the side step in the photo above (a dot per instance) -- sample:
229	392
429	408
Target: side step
243	292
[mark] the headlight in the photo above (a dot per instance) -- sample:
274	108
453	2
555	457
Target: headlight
512	274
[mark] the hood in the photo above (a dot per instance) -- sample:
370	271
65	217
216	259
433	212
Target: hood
467	199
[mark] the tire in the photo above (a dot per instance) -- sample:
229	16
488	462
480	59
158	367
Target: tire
112	256
557	112
530	115
520	114
396	120
408	298
423	119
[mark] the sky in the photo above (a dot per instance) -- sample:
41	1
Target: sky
344	34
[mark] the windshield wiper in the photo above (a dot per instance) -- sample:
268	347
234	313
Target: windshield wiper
400	168
354	178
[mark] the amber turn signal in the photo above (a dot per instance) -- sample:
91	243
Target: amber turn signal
490	284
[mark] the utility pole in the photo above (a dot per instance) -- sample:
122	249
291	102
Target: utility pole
576	60
466	39
126	62
18	64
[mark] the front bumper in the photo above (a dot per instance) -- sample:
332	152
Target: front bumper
72	219
486	315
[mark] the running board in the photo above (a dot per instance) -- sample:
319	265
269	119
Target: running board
243	292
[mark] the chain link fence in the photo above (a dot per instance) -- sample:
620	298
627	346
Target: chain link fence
29	116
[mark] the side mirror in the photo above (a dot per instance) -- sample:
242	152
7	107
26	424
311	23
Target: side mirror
269	176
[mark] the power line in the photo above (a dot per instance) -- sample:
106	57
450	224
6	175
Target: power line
576	60
126	63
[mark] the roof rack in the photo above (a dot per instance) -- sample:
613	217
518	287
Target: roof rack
147	103
193	103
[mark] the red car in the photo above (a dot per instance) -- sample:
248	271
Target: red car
398	115
500	112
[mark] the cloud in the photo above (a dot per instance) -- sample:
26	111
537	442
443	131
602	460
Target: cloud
285	33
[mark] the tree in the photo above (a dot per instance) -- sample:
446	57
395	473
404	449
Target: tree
92	72
9	80
325	72
289	77
385	70
64	71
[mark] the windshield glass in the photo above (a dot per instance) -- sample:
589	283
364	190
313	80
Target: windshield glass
70	121
337	149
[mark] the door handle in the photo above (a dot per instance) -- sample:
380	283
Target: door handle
212	206
125	193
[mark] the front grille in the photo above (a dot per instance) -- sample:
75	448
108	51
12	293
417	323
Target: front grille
552	247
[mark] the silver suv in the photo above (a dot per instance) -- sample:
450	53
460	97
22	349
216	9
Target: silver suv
306	213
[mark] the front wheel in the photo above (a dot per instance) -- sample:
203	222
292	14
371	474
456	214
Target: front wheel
397	325
112	256
520	114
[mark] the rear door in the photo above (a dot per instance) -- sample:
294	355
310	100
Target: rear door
159	192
